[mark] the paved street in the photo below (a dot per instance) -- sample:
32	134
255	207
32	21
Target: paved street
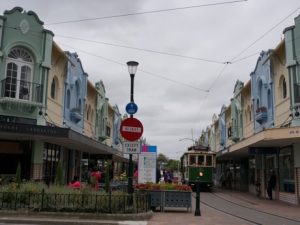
234	208
220	207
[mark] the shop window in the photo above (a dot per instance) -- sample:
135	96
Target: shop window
286	171
51	156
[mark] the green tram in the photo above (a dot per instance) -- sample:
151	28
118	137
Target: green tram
198	163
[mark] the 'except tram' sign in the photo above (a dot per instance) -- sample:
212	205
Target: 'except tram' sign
131	147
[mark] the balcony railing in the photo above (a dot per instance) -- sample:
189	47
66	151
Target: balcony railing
261	114
75	114
22	90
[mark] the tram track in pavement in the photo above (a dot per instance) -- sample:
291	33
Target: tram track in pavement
261	211
243	212
227	213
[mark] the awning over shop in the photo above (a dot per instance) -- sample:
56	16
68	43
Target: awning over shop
56	135
272	138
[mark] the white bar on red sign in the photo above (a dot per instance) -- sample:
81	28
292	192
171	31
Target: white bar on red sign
132	129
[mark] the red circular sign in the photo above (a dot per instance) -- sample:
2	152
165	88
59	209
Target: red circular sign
131	129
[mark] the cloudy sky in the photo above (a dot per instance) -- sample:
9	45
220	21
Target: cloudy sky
182	48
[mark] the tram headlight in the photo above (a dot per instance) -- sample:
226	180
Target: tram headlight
201	174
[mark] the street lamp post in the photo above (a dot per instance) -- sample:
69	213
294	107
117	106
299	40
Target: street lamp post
197	210
132	67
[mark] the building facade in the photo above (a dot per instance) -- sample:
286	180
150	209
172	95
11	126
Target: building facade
50	114
264	124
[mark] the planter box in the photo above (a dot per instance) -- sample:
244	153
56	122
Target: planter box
170	198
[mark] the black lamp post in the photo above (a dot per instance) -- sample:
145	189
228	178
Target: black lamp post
132	67
197	210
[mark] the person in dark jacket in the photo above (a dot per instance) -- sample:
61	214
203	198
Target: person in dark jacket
271	184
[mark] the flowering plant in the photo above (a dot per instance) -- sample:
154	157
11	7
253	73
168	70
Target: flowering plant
261	109
163	186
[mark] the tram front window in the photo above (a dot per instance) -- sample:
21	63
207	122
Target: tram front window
208	160
201	160
192	160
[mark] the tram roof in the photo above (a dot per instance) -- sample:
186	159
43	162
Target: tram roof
199	148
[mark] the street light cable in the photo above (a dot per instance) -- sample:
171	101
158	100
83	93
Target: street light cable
145	12
149	73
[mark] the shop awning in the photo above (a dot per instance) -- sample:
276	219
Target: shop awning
271	138
56	135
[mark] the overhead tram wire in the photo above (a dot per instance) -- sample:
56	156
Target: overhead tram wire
145	12
253	43
133	48
146	72
264	34
141	49
234	59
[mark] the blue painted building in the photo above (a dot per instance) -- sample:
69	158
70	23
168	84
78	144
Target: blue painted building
262	93
75	93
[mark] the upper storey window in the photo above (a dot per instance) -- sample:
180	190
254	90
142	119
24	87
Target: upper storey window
282	87
53	89
19	67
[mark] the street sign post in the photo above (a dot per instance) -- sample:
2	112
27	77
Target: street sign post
131	108
131	129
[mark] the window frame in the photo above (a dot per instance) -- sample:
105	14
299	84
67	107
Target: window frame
18	80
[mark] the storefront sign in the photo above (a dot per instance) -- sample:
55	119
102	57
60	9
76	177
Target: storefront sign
263	151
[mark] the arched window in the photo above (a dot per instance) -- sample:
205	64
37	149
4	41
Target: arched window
88	117
249	113
68	99
260	90
77	94
54	87
19	67
282	87
251	108
269	99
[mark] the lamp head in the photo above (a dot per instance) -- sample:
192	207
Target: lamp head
132	67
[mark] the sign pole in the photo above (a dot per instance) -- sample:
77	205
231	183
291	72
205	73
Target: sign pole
130	172
131	128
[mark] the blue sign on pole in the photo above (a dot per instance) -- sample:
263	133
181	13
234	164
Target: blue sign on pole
131	108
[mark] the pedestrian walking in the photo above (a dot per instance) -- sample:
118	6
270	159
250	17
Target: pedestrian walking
271	184
257	187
